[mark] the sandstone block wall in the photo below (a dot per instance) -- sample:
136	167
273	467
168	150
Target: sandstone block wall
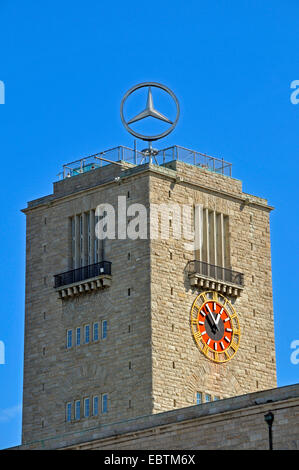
149	362
235	423
179	368
120	365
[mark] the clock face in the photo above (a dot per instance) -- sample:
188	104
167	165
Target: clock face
215	326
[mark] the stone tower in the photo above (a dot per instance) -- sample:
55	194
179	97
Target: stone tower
109	322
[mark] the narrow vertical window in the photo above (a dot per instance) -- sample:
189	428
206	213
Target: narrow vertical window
88	239
73	242
95	406
198	398
104	329
81	240
68	412
96	250
77	409
86	407
214	235
104	403
69	338
87	333
95	331
78	336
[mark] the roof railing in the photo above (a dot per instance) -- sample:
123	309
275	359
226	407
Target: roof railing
136	157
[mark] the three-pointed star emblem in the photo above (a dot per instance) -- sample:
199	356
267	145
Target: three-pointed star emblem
150	111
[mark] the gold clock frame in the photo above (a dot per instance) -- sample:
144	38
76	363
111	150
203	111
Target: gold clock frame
215	356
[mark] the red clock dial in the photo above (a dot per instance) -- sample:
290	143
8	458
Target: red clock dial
215	326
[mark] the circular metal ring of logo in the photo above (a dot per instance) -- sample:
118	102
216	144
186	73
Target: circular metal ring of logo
150	111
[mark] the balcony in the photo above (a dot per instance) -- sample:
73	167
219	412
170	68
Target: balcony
209	276
82	280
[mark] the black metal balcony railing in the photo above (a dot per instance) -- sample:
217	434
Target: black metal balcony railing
216	272
83	273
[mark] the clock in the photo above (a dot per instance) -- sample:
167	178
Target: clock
215	326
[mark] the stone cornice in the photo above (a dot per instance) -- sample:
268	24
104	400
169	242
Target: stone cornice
172	175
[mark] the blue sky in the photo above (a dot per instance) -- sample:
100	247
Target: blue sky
66	66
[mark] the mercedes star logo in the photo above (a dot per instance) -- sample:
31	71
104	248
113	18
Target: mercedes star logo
149	111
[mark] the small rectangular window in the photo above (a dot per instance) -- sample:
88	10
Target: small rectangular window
104	403
68	412
95	331
216	398
95	406
198	398
86	407
207	397
87	333
69	338
104	329
77	409
78	336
